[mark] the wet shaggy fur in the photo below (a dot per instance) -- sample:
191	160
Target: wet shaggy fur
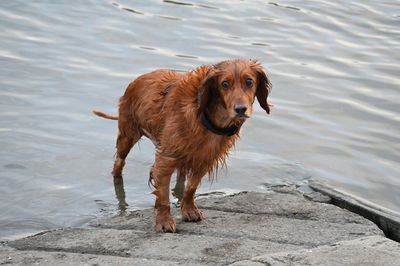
167	107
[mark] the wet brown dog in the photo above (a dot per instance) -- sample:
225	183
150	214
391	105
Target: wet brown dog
193	119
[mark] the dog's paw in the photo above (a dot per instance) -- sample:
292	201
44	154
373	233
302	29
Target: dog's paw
165	225
192	214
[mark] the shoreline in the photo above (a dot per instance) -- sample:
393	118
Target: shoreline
248	228
386	220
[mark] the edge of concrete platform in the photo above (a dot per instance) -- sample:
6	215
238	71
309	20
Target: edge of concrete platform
298	224
387	221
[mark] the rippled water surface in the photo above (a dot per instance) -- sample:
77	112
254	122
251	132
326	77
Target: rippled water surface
335	71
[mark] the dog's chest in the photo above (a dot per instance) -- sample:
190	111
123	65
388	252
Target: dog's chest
212	149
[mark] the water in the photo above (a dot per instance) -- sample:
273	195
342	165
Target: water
334	67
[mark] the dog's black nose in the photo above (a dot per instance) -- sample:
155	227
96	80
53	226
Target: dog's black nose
240	108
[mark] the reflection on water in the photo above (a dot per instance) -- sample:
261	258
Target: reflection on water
333	65
177	192
120	195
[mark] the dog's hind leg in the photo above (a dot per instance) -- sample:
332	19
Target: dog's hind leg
177	191
125	143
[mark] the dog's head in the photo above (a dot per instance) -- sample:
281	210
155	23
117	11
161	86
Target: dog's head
234	85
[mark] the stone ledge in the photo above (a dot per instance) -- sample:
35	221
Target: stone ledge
247	228
386	220
371	250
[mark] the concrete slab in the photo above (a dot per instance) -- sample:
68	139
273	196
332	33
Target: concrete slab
167	247
290	204
15	257
237	229
262	217
371	250
76	240
386	220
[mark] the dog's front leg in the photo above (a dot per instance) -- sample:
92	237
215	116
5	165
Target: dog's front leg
190	212
162	171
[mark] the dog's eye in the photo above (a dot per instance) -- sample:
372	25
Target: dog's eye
225	84
249	82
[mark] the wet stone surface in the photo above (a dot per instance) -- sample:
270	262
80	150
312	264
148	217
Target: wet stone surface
247	228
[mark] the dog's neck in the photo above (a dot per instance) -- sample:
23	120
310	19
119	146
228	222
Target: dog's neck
217	121
225	131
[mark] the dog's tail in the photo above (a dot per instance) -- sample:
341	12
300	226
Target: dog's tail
99	113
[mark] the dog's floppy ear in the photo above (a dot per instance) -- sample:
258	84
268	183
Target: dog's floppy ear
263	87
206	90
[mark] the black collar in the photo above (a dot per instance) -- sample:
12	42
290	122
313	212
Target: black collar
227	131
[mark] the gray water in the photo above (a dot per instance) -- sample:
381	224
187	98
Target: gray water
334	66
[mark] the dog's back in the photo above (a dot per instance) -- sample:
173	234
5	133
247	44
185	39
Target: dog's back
141	107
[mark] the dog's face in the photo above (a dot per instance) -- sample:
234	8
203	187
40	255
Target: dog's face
234	85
